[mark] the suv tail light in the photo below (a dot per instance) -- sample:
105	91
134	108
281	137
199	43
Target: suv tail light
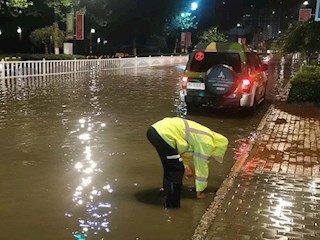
184	81
246	85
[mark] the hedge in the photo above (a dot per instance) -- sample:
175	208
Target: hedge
305	85
25	57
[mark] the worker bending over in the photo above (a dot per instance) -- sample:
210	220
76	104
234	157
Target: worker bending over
176	139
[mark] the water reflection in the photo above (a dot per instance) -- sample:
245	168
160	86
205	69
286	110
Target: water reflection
25	88
91	208
278	216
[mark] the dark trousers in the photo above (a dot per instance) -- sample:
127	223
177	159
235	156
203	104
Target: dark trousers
172	166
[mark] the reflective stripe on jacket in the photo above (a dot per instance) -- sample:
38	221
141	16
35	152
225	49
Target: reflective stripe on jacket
193	139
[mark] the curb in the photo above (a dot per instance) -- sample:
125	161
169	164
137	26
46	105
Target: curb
211	212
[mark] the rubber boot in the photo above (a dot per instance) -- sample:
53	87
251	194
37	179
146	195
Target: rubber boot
173	192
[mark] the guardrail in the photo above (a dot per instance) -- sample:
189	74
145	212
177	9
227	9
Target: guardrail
13	69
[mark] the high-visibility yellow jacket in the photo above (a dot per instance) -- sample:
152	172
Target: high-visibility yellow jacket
192	139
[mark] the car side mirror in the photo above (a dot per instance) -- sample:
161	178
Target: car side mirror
264	67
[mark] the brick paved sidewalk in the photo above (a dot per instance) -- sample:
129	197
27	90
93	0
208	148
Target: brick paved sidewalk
275	192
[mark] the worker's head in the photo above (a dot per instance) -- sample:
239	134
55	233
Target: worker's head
220	146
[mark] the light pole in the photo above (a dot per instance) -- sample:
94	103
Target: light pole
238	26
50	46
19	31
92	31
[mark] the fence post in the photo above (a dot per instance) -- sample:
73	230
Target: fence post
43	66
2	68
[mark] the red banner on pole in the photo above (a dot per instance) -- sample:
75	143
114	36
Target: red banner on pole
80	27
188	39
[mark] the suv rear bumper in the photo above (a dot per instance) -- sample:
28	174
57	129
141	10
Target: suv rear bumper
233	100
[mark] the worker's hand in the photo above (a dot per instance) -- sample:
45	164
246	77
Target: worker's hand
188	172
201	195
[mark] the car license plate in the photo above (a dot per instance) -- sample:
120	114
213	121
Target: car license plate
195	86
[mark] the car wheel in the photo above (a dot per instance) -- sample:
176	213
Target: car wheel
253	108
265	91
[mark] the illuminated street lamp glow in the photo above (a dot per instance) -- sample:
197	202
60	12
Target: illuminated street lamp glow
0	32
98	40
92	31
305	3
194	6
238	24
19	31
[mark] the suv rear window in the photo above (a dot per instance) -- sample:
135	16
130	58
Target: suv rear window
213	58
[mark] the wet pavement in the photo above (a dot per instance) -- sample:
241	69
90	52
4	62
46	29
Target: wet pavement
75	162
273	190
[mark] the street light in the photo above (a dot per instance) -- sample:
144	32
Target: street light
19	31
92	31
194	6
238	26
305	3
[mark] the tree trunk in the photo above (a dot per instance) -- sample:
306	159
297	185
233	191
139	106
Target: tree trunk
46	49
175	46
56	37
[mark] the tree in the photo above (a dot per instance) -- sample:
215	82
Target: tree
212	35
258	42
98	11
59	7
181	22
14	7
44	36
184	21
157	42
302	37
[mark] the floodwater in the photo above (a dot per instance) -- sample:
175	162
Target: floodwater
76	164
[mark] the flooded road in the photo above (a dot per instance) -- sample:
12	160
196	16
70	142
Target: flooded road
76	164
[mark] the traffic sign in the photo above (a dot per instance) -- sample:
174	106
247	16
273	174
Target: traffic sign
304	14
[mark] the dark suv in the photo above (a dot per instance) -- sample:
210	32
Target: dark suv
223	75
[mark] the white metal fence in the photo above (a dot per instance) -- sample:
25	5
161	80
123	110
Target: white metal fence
13	69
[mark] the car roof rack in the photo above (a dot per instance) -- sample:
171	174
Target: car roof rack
222	46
